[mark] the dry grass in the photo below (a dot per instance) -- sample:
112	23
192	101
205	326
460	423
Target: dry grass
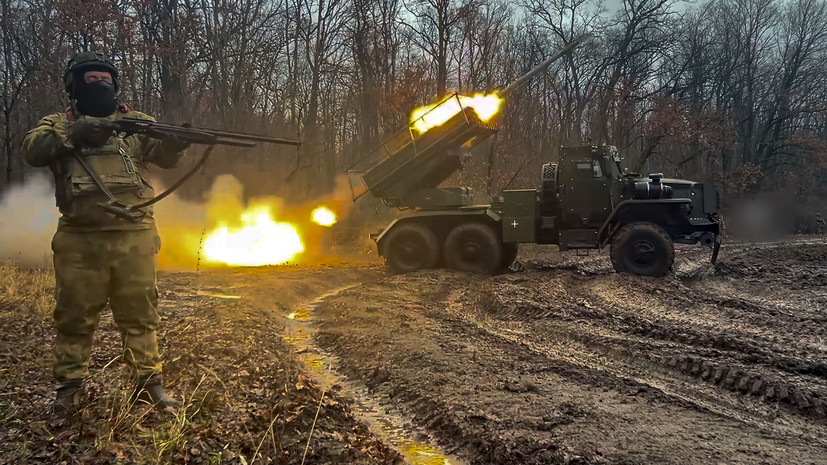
108	426
26	292
244	395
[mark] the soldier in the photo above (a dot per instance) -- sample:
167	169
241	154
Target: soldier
819	224
98	257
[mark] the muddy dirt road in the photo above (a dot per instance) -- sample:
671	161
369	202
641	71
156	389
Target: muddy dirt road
563	362
570	362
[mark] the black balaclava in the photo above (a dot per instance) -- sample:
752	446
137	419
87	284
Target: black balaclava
94	98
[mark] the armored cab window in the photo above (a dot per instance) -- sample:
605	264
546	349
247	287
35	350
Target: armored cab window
597	171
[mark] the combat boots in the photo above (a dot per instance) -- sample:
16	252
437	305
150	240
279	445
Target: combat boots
151	391
67	395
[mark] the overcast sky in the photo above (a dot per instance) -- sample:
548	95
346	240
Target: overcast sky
613	5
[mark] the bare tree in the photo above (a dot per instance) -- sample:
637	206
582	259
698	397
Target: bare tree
432	31
731	88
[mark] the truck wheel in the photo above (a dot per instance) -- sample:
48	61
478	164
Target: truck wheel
642	248
410	247
473	247
509	254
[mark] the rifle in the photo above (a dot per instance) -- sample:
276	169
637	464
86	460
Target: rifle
211	137
130	126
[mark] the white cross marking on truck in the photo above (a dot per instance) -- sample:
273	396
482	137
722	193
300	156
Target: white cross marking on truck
514	224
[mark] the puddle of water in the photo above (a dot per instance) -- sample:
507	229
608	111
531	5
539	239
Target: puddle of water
300	335
219	296
302	314
424	455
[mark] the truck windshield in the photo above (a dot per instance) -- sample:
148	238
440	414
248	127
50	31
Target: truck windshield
615	157
597	171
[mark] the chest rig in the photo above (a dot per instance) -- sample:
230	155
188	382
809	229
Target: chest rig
111	169
92	171
113	165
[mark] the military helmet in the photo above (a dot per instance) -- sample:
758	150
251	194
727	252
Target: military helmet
86	61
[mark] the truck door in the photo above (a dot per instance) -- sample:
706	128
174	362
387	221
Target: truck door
586	201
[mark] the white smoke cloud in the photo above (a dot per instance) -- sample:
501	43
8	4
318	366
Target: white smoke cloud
28	219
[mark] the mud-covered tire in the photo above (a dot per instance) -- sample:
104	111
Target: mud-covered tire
473	247
510	251
410	247
642	248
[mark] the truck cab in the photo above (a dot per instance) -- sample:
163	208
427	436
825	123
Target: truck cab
589	201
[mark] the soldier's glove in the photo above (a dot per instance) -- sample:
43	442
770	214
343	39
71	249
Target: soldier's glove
171	141
175	143
89	133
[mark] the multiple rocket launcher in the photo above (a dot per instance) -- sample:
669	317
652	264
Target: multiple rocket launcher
418	158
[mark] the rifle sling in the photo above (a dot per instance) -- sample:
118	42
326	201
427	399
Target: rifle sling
179	182
94	175
115	201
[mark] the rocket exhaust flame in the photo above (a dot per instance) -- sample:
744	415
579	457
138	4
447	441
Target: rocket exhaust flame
485	105
257	231
432	146
260	241
429	116
323	216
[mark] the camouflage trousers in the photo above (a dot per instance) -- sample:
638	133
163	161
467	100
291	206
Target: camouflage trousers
96	268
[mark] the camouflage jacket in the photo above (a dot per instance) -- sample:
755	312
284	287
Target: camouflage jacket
121	163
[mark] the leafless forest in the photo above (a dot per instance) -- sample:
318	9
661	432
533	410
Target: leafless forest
559	360
729	91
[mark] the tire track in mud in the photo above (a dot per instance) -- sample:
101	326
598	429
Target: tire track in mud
753	365
291	297
751	368
383	420
652	371
532	367
599	368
